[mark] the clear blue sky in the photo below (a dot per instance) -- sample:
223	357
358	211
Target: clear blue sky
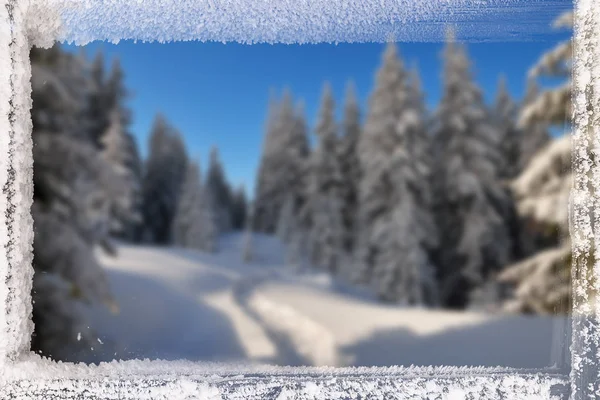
217	94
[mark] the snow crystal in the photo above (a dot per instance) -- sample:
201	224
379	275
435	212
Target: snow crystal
16	175
585	195
251	21
5	93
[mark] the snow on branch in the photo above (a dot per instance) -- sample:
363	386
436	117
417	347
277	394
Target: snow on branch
552	106
543	282
555	63
566	20
542	190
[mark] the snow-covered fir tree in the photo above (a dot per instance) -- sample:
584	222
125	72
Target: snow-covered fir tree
73	191
126	159
324	191
542	282
120	151
162	181
420	143
535	135
265	211
470	201
221	195
106	93
286	220
239	210
191	227
294	232
391	254
283	163
553	105
350	166
505	115
210	227
98	106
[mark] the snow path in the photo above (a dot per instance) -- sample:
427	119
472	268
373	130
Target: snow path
174	308
264	331
253	337
298	336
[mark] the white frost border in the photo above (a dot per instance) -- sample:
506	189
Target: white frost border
24	375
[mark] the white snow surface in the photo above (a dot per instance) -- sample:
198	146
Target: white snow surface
183	304
305	21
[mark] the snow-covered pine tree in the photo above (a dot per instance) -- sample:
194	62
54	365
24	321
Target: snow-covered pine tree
553	105
239	208
350	166
542	282
471	204
210	229
420	144
293	230
264	211
391	253
118	152
324	191
420	141
282	165
106	122
285	223
505	115
189	224
135	222
302	222
120	149
113	151
98	106
220	190
163	178
535	134
73	188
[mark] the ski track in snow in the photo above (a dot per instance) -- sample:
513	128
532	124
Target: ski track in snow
299	338
267	332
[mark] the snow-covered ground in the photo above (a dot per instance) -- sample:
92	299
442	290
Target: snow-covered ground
182	304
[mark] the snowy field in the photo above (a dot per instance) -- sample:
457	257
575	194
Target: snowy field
182	304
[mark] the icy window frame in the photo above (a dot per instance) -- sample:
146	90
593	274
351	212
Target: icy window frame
24	375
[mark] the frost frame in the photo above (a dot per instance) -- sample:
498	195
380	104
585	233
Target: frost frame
25	375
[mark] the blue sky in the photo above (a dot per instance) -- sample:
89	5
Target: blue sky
217	94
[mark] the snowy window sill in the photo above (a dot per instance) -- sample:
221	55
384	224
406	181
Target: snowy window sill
25	376
182	380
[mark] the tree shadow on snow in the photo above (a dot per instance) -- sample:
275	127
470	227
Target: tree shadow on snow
508	342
